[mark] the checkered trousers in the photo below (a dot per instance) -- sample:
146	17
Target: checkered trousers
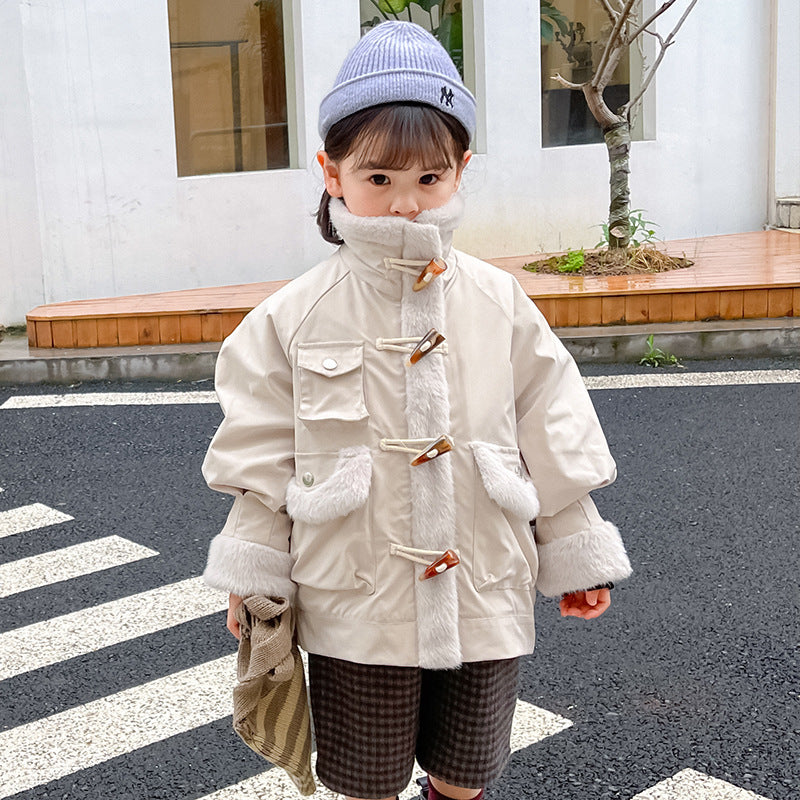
370	722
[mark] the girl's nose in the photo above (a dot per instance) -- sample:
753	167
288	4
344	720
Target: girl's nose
404	205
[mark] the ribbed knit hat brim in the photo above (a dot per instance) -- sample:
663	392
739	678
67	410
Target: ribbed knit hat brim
397	62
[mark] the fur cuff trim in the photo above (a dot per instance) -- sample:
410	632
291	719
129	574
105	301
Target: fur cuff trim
241	567
505	480
582	560
346	490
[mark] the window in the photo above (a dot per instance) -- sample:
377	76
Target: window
443	18
574	33
229	85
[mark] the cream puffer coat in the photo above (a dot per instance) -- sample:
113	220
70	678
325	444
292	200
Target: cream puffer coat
323	417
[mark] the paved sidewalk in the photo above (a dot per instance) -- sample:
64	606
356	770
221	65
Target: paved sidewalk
20	364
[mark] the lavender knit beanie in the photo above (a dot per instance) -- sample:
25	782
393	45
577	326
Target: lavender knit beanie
397	62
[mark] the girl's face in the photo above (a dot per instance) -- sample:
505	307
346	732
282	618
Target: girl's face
368	190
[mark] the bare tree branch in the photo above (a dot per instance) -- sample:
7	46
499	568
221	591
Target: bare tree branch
612	15
625	110
653	17
565	83
612	39
657	35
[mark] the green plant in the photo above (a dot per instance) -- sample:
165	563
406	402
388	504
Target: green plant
571	261
641	230
656	357
446	26
553	22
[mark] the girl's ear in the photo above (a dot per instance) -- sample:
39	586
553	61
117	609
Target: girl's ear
330	174
460	168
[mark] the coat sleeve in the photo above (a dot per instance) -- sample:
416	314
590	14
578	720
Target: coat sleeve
252	458
567	456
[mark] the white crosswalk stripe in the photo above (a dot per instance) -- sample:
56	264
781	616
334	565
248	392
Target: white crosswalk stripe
666	379
29	518
657	379
82	737
108	399
692	785
69	562
70	635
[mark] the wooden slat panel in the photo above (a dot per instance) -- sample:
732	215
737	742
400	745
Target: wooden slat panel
169	329
613	309
659	307
86	332
147	330
707	305
755	304
567	312
548	308
590	311
731	305
229	322
191	328
779	302
796	302
211	327
63	333
683	307
128	331
44	334
636	308
107	335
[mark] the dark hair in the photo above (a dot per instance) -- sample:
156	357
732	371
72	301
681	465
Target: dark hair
393	136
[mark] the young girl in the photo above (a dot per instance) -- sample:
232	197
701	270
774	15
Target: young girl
394	419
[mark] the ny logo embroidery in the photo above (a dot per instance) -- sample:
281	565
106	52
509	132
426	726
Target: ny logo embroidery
447	97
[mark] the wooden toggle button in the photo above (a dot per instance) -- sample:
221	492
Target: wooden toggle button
435	266
430	340
441	445
446	561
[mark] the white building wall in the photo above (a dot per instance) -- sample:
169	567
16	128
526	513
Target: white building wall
20	250
787	98
91	166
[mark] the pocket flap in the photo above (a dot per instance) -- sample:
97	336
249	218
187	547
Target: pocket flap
506	480
330	359
345	490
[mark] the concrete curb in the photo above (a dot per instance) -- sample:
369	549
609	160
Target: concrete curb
607	344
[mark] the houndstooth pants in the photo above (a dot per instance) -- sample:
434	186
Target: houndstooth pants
370	722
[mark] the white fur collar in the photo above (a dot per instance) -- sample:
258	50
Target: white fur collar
372	239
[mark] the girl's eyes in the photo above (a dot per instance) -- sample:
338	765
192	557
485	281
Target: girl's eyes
383	180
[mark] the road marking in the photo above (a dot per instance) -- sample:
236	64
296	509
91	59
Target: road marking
109	399
44	643
29	518
531	725
69	562
637	381
692	785
666	379
82	737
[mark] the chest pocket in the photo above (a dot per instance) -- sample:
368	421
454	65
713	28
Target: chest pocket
331	381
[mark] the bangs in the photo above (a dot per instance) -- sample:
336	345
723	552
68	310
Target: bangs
399	136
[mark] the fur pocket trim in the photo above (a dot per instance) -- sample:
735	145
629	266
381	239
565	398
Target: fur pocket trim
582	560
343	492
505	479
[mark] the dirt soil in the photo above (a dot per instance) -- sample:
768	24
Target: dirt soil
634	261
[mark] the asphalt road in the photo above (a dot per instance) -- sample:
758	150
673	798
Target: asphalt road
695	666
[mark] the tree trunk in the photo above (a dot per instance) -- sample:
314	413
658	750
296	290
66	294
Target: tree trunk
618	144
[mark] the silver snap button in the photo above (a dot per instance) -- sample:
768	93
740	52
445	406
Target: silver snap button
330	363
308	479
